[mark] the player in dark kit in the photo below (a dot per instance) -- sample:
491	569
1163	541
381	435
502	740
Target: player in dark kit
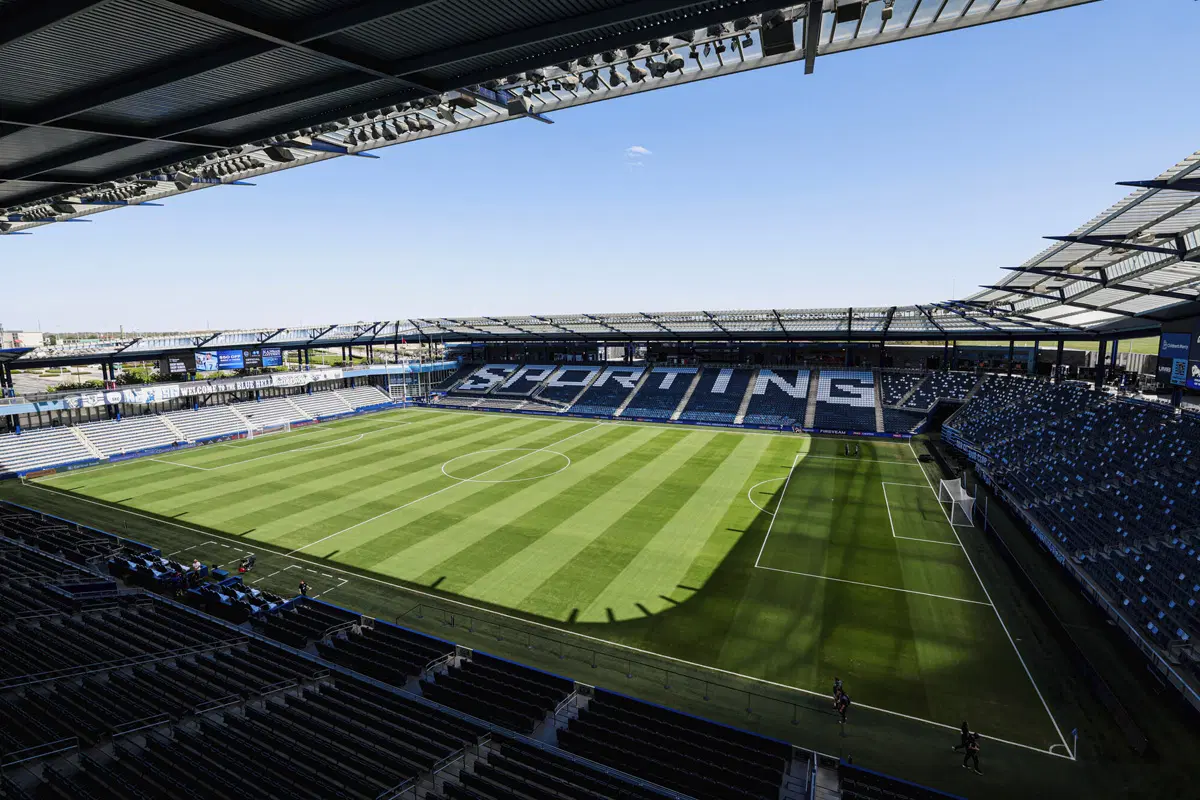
844	705
972	754
966	737
837	690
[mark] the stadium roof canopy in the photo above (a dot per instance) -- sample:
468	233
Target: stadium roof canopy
1138	260
111	103
934	322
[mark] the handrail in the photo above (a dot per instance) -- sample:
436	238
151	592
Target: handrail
126	728
278	686
338	628
439	661
14	757
215	703
102	666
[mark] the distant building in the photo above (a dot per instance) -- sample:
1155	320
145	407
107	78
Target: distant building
21	339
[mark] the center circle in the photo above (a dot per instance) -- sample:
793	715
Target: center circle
448	471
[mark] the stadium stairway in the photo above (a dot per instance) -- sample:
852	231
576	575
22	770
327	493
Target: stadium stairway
810	411
86	442
687	395
242	417
637	388
180	435
746	398
879	425
908	395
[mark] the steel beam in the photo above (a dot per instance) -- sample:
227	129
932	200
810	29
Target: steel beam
1180	185
812	35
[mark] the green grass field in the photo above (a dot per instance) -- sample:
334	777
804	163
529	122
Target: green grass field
774	557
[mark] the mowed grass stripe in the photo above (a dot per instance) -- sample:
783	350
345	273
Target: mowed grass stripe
106	481
596	510
570	590
300	484
297	475
383	542
665	559
404	478
604	460
487	512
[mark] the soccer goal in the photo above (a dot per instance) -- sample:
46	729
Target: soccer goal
258	429
959	505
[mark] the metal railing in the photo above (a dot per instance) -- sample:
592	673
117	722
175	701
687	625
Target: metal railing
133	726
15	757
736	694
104	666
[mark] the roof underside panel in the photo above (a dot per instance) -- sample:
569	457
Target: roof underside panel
80	91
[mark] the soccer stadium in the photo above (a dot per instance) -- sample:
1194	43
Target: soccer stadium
590	555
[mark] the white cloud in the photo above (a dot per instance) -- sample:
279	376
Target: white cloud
637	151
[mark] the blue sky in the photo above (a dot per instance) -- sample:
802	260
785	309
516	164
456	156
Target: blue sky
904	173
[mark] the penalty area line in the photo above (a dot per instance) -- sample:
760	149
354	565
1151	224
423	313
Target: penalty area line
556	629
876	585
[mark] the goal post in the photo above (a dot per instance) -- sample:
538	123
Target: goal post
258	429
957	502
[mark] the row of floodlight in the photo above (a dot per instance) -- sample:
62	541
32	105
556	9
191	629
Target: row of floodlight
391	122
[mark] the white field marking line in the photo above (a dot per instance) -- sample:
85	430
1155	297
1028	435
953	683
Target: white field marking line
888	503
866	460
563	631
750	491
457	482
877	586
782	494
999	618
505	450
331	588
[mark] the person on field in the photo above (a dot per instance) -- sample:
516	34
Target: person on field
303	588
972	755
843	706
965	737
837	690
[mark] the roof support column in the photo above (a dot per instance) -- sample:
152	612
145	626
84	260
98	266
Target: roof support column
1011	353
882	342
946	354
1057	377
1100	363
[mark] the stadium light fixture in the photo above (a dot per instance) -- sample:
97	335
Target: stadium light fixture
685	36
569	82
674	62
446	112
615	78
182	180
658	69
592	82
632	50
608	56
886	13
636	73
586	61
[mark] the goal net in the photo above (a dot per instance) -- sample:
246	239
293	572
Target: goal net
258	429
959	505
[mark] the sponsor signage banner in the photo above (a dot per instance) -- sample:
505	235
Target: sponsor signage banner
1174	350
272	357
230	359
